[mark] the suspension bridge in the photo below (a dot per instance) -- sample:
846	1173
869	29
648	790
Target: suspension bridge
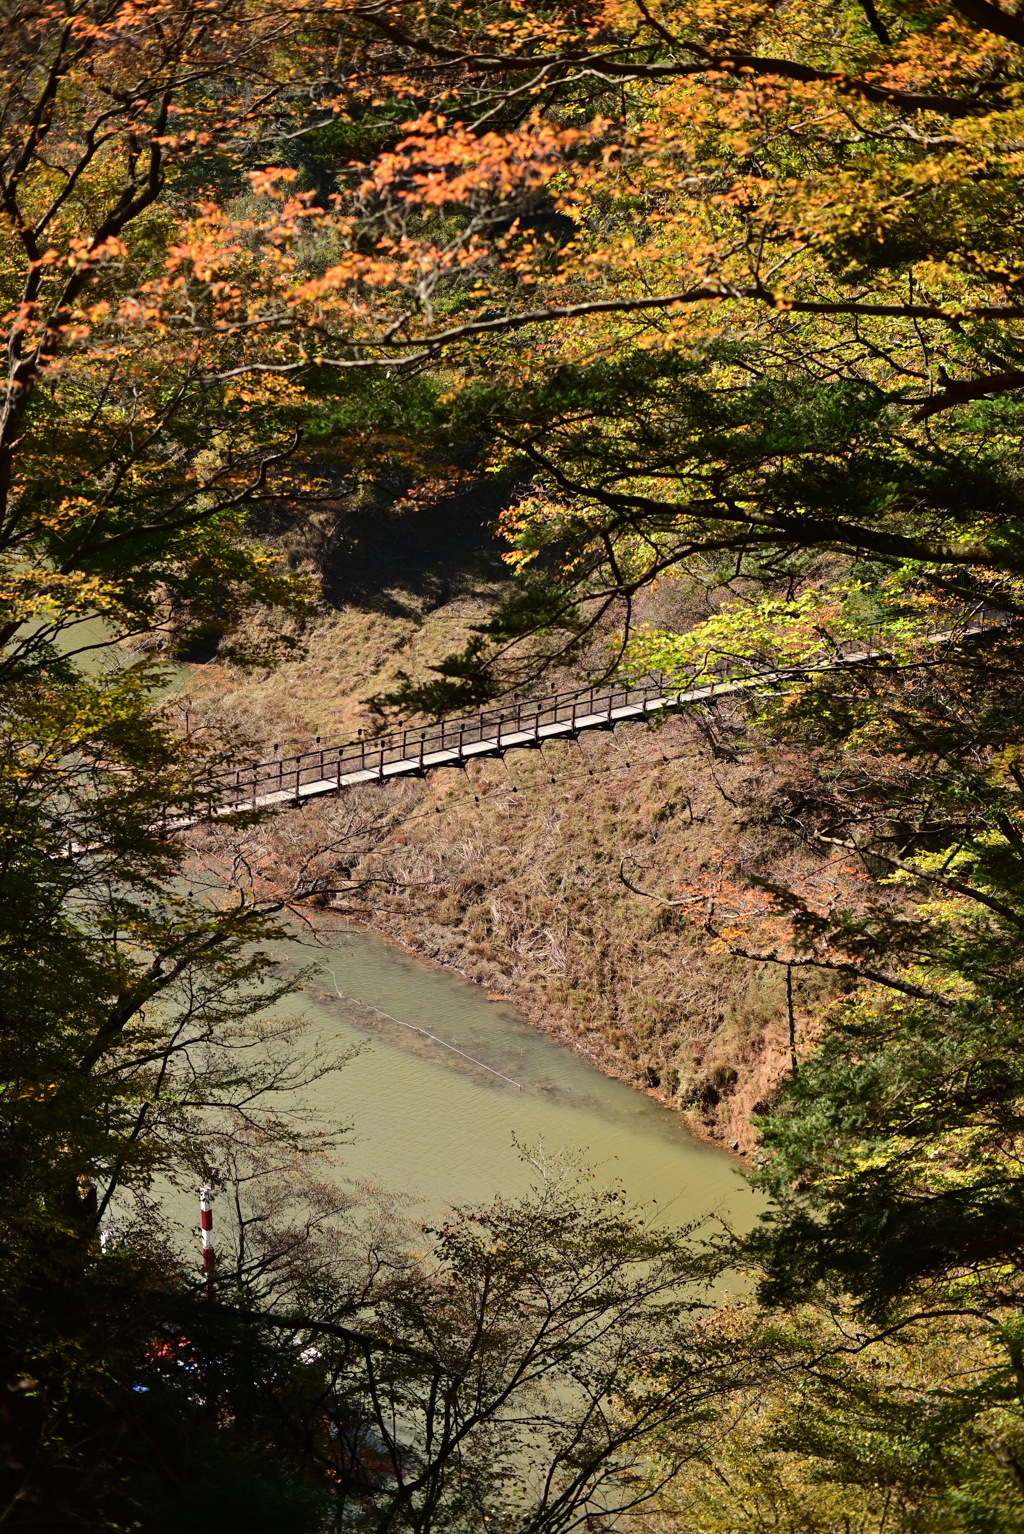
282	782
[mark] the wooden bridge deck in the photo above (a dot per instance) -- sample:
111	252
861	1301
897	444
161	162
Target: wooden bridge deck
284	781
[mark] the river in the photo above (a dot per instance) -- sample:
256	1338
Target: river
428	1122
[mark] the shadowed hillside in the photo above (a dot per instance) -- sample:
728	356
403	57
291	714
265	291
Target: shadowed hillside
513	867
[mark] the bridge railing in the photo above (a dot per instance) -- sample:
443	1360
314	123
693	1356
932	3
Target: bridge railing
372	754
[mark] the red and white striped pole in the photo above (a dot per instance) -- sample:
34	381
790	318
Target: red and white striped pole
206	1227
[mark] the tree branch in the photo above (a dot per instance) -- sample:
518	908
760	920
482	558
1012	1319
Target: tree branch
610	65
983	15
845	966
660	899
959	392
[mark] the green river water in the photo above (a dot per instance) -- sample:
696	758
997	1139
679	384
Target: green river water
427	1122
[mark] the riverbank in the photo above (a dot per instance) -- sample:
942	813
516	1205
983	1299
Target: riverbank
509	873
512	877
449	1122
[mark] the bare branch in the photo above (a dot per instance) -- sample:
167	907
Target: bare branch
688	900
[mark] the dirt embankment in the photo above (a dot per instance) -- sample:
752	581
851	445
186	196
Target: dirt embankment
513	875
510	871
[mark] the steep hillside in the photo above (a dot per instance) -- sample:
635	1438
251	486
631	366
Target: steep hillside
510	872
514	879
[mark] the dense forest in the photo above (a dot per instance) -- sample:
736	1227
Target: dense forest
423	354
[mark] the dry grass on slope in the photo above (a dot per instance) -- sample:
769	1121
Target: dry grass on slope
509	873
514	880
346	656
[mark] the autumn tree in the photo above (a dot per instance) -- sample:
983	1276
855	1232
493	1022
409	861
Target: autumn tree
130	985
731	294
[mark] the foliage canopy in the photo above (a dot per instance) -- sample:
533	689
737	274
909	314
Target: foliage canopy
730	295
